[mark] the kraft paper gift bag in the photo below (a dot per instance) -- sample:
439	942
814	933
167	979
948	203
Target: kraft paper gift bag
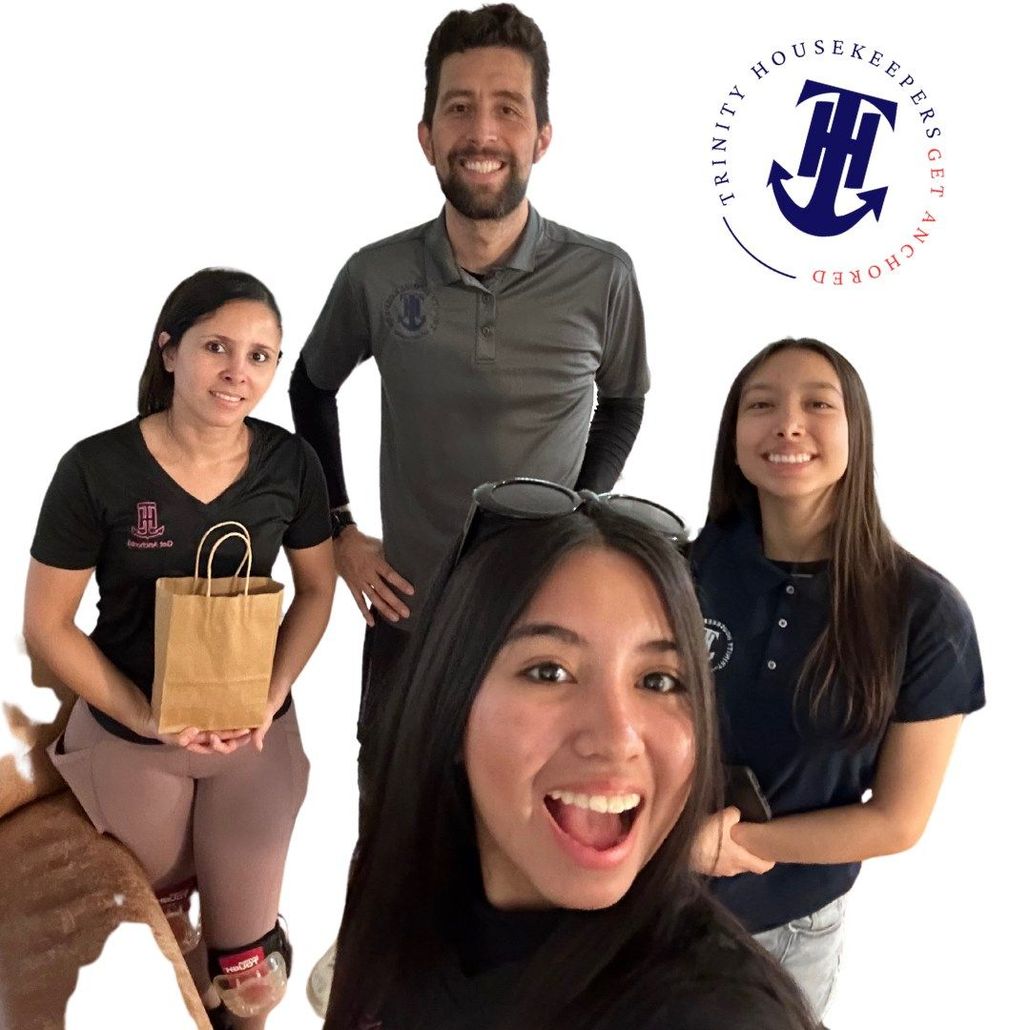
214	641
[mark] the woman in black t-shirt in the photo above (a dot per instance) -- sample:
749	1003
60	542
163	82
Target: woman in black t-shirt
130	505
842	664
551	758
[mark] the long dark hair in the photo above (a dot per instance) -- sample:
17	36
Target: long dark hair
201	294
414	871
857	656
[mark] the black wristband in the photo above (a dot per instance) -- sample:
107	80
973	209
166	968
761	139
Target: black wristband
339	520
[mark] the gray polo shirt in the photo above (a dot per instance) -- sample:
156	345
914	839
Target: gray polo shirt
481	380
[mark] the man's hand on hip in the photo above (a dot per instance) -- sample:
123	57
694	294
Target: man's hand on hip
369	577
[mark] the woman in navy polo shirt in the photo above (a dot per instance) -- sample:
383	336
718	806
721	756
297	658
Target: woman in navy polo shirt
842	663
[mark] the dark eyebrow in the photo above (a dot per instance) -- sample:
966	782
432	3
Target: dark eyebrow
568	636
544	629
505	94
804	386
660	646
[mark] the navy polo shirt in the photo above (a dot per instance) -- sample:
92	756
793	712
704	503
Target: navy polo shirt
761	622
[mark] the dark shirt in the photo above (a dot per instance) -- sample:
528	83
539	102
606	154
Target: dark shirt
112	507
762	620
711	982
479	380
613	429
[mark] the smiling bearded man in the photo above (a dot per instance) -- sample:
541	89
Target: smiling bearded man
491	327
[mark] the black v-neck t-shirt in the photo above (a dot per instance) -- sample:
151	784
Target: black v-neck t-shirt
112	507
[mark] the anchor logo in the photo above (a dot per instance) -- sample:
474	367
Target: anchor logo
147	526
830	143
719	642
411	312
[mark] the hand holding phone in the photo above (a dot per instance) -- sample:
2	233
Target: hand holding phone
744	792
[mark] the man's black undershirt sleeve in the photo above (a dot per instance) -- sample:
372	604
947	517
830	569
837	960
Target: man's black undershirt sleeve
317	421
613	429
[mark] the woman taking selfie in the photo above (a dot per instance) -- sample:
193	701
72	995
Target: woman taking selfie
842	664
552	760
130	505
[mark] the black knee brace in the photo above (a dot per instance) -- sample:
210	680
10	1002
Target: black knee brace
252	978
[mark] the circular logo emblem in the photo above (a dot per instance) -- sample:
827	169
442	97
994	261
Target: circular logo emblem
412	312
719	641
828	162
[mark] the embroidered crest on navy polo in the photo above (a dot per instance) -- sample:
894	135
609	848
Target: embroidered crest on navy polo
720	643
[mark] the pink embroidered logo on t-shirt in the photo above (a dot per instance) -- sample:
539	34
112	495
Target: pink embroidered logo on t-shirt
144	536
147	526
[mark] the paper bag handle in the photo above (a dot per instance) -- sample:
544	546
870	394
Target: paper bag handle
220	525
247	559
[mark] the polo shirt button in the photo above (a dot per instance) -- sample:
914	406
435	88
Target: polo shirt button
770	664
782	623
487	330
790	588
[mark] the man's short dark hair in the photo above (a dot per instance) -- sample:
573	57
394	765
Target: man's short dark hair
493	25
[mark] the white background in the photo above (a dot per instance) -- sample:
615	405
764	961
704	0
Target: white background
144	141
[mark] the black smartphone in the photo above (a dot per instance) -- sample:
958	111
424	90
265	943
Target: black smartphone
743	792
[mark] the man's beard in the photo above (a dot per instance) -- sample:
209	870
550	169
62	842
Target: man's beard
477	203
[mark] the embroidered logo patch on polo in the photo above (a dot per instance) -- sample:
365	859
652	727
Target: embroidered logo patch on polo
719	641
412	312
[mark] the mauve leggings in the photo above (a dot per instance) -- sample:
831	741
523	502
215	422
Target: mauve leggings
225	818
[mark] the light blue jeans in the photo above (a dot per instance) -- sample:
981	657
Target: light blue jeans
809	949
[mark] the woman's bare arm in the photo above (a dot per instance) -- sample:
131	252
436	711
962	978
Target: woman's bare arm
911	767
52	598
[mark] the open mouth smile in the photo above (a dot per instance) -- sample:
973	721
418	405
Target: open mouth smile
229	398
595	829
788	459
483	163
481	166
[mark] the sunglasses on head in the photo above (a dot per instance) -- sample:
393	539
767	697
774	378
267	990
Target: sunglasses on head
497	505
